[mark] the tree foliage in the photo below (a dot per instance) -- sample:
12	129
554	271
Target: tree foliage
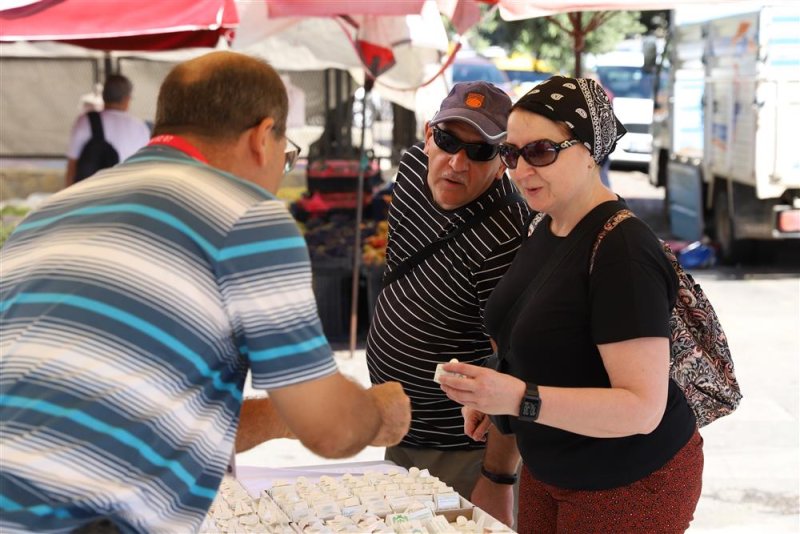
554	39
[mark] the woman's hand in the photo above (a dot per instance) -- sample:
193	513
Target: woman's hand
483	389
476	423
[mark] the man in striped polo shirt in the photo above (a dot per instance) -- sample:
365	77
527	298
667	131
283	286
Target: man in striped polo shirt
435	311
133	304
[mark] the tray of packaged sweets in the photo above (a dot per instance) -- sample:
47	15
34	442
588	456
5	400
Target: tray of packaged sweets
356	499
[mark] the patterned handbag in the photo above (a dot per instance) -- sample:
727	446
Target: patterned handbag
700	360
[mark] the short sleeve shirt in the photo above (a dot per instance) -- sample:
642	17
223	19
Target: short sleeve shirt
628	295
131	307
123	131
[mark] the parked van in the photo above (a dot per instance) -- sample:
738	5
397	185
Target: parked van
622	73
470	69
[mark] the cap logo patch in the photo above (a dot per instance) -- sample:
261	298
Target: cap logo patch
474	100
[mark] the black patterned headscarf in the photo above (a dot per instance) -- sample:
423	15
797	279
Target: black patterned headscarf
583	105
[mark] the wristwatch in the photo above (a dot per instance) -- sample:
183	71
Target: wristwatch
531	403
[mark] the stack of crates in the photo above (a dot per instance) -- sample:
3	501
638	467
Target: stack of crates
332	190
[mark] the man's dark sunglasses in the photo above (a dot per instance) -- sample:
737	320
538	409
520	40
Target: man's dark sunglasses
538	153
452	144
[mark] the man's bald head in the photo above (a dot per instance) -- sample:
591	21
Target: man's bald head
220	95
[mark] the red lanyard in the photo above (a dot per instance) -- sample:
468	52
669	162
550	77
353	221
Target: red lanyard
179	143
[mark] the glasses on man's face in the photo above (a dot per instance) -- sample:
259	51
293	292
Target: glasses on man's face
290	156
452	144
537	153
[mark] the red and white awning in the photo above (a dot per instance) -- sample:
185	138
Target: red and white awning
121	24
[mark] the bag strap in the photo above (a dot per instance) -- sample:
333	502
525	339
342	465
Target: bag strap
97	125
610	224
578	235
431	248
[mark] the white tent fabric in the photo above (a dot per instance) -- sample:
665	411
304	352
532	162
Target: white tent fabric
315	43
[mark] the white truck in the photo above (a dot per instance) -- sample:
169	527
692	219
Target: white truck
727	125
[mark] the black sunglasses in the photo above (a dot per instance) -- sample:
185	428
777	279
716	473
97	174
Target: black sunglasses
538	153
290	156
452	144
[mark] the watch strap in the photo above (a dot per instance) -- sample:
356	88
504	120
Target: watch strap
498	478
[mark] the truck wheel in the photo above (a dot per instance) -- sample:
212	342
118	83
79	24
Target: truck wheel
731	250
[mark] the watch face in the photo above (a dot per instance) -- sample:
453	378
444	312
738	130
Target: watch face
529	409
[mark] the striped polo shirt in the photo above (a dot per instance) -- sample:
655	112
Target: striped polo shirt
132	305
435	312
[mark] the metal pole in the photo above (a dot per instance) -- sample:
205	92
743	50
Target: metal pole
359	216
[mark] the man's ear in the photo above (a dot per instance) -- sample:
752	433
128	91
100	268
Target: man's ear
428	137
500	170
257	139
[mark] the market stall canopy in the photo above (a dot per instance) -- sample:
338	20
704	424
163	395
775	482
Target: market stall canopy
119	25
329	8
403	51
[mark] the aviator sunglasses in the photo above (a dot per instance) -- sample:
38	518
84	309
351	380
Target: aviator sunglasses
452	144
538	153
290	155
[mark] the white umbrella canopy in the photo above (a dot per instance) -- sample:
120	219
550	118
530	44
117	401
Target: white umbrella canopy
417	42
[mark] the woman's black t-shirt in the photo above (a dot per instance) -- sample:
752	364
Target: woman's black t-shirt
629	294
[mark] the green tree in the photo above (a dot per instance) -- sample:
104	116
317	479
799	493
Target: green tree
561	39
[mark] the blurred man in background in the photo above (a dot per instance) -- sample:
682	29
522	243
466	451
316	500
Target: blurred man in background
122	131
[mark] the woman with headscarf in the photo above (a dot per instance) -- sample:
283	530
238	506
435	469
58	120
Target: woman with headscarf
608	440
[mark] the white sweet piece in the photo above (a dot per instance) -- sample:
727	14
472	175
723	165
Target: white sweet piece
250	519
379	508
353	510
242	508
369	523
222	525
419	511
400	504
327	510
222	511
395	493
438	524
441	372
302	515
264	510
447	501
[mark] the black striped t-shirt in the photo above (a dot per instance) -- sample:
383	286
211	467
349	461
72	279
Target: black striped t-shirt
435	312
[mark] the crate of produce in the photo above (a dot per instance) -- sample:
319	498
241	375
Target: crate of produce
341	175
